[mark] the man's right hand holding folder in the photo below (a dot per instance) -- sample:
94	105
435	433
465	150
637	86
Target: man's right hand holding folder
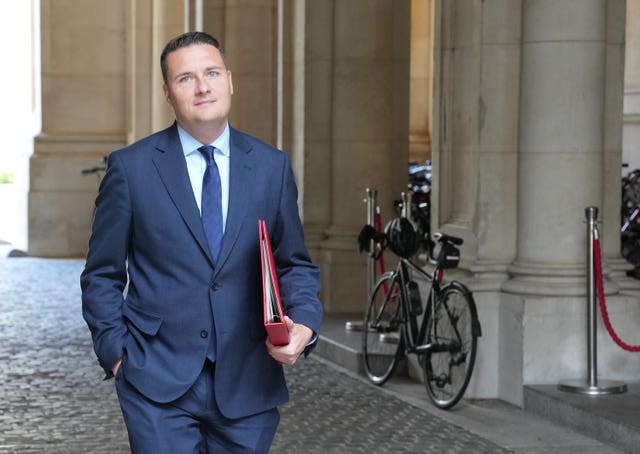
299	338
286	340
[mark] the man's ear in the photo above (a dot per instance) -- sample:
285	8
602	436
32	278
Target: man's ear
165	90
230	82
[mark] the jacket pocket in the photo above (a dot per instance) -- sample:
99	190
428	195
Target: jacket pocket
145	322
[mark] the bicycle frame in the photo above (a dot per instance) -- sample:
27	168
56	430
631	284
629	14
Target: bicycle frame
413	334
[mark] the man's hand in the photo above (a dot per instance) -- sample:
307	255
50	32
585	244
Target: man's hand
116	366
299	337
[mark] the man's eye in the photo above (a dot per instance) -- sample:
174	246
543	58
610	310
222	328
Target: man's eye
213	74
184	79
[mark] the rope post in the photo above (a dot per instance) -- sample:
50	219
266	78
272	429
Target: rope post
591	386
372	203
371	200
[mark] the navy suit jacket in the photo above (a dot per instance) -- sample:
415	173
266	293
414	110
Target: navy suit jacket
151	291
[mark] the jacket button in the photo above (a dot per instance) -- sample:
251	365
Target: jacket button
215	286
204	334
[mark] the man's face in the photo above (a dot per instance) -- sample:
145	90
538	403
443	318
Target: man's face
198	87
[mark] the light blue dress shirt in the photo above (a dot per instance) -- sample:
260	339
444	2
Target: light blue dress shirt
196	166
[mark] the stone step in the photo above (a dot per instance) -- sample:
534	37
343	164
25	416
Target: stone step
613	419
340	345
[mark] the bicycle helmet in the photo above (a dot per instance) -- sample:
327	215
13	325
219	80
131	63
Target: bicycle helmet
402	236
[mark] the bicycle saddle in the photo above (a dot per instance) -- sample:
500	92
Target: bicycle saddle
444	238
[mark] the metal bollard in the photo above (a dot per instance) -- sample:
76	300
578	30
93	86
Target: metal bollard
372	206
592	386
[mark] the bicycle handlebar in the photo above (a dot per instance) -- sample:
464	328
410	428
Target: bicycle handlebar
93	170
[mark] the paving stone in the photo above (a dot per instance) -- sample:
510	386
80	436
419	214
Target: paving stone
55	401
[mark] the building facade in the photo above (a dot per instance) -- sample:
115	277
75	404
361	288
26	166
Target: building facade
519	103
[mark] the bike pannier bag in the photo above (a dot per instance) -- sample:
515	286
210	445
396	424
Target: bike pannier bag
449	256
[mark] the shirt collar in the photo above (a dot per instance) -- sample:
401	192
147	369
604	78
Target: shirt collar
190	145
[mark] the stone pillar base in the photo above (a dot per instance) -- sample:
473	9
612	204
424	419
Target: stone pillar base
548	279
533	340
59	223
61	198
343	275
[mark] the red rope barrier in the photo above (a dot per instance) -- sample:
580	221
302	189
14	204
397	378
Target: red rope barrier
603	308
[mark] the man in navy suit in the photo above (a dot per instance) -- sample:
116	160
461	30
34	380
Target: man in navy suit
177	320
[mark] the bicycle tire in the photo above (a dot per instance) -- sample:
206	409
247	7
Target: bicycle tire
448	366
382	342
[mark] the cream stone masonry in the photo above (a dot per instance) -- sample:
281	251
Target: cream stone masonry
521	101
83	118
101	90
475	145
250	42
369	73
526	135
570	130
561	141
318	92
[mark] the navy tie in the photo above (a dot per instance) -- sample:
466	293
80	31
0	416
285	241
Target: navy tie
211	209
211	205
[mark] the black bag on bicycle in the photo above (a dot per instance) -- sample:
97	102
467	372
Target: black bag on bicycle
449	256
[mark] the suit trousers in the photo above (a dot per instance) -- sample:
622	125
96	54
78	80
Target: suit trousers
192	423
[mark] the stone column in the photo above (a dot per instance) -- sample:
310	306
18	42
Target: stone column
457	121
562	100
167	22
568	145
101	88
367	110
475	150
317	121
476	132
250	34
152	23
83	118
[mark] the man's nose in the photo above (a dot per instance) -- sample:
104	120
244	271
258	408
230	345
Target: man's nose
202	85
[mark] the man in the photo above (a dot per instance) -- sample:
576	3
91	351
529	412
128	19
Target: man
176	224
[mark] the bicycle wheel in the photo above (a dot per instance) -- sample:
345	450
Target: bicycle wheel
382	342
453	330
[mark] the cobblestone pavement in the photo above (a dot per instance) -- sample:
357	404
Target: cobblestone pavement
53	399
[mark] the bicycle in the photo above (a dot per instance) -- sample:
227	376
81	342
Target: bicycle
445	340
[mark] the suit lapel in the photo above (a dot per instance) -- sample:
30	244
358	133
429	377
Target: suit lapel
241	176
171	166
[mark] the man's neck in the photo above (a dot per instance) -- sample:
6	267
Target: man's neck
205	133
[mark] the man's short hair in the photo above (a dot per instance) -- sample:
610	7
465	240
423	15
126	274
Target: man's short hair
185	40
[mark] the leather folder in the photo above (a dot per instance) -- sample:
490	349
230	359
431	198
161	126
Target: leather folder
274	323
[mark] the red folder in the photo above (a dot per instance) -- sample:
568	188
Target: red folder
274	323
